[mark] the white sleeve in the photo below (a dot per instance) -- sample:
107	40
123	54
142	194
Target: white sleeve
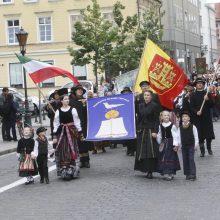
195	134
179	137
35	151
76	119
174	132
56	122
159	136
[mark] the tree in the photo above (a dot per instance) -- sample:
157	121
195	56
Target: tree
150	27
92	34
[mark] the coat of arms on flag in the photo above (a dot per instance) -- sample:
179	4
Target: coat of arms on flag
166	78
111	118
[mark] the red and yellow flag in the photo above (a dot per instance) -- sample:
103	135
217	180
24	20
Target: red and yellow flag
166	78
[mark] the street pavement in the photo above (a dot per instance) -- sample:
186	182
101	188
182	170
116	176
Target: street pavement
111	189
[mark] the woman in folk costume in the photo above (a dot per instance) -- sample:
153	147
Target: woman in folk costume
168	139
66	128
80	103
147	128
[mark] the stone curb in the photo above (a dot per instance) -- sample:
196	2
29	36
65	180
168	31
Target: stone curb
8	151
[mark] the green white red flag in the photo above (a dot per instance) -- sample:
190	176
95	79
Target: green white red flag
40	71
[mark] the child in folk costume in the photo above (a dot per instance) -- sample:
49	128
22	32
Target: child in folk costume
188	139
167	137
41	153
27	164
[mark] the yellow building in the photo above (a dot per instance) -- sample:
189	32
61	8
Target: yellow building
49	24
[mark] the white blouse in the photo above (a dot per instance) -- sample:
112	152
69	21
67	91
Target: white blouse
174	132
56	122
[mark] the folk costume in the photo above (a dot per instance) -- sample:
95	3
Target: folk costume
84	146
147	148
41	153
167	137
188	139
66	127
202	122
27	165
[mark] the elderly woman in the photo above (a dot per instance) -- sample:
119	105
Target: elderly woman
147	128
67	126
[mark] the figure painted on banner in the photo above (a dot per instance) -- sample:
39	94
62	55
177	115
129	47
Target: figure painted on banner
202	118
27	163
132	143
67	129
80	104
41	153
168	141
4	112
147	128
189	141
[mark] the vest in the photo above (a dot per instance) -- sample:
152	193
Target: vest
42	146
187	137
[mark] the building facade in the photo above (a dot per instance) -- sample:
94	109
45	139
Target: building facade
208	33
182	32
217	20
49	24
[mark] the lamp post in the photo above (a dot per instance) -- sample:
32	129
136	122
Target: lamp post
22	36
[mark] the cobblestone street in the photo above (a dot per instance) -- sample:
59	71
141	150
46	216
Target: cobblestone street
111	189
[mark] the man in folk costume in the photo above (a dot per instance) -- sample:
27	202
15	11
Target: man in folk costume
80	104
201	117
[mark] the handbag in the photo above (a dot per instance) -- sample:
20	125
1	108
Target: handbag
27	164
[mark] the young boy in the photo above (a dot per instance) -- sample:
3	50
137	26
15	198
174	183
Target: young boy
41	153
188	138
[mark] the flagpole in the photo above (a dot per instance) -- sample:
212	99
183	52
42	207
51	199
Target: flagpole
208	88
39	89
142	57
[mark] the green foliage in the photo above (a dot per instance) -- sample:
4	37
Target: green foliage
91	34
113	47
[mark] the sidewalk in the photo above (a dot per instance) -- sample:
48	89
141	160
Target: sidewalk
11	146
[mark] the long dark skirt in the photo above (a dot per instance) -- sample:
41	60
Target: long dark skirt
147	152
67	166
168	158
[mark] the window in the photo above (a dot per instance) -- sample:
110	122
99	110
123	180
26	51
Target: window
74	19
80	72
49	82
6	1
15	74
13	27
45	29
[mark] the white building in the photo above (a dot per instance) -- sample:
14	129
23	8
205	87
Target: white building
208	33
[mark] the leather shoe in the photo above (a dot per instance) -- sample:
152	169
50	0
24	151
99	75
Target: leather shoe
210	152
87	164
47	180
41	180
149	176
202	154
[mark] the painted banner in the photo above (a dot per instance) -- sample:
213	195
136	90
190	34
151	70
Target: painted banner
111	118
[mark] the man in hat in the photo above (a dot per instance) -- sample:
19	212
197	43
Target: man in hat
201	117
79	103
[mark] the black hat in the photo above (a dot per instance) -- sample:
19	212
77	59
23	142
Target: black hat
73	89
144	83
185	112
199	80
60	92
126	89
40	129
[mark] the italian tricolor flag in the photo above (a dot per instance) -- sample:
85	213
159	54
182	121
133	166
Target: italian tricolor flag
40	71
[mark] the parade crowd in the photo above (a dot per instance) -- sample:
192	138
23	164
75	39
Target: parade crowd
161	132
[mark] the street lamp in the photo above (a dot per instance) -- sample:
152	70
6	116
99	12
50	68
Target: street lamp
22	36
